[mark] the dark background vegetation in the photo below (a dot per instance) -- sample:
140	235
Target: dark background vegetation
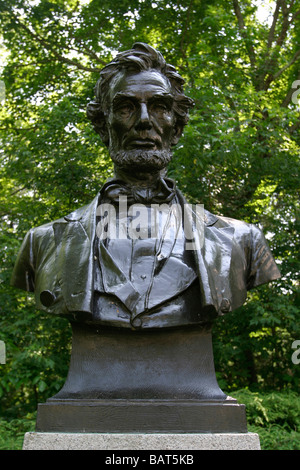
239	156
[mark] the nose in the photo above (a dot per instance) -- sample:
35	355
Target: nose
144	118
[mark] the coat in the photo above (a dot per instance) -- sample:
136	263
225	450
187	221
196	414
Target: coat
56	261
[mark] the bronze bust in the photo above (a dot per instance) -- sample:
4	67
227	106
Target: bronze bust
196	267
140	112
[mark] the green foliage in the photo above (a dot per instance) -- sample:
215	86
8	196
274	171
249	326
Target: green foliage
239	156
37	358
253	345
12	432
274	416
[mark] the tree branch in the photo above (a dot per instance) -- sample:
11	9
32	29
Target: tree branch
184	32
47	46
91	54
271	36
294	16
291	62
285	24
271	63
294	127
244	33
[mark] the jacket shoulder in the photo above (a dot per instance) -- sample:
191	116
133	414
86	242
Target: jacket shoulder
23	275
237	224
262	267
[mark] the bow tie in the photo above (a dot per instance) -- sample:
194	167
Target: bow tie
164	192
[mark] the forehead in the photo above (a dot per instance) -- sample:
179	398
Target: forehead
140	84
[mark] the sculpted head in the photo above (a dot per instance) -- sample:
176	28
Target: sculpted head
140	109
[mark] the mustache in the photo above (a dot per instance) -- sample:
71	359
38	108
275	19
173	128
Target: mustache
144	136
144	159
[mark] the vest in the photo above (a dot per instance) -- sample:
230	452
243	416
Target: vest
146	279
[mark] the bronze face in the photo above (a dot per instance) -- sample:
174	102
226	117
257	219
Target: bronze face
141	117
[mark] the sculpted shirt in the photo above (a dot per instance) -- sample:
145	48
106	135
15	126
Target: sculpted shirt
146	279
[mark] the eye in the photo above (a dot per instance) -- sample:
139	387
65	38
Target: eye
160	107
124	108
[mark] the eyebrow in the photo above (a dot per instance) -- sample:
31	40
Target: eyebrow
121	95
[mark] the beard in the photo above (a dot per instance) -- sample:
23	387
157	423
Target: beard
143	160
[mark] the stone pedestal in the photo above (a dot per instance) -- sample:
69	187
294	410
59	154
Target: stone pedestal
131	441
157	381
160	364
139	390
141	416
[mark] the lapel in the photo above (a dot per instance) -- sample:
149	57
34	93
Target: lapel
74	237
114	280
212	247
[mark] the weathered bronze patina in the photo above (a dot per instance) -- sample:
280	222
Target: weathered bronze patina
142	305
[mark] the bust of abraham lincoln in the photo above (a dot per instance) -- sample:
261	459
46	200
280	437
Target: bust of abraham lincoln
128	290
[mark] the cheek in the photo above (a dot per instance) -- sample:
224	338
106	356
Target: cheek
118	129
120	125
163	120
166	119
168	127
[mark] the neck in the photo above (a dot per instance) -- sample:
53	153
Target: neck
139	178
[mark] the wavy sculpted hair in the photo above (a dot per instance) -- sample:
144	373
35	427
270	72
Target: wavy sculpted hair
140	57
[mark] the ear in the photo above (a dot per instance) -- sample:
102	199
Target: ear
178	130
101	128
103	132
98	119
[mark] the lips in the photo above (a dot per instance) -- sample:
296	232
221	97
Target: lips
144	143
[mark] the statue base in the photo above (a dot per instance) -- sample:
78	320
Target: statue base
138	441
146	416
146	381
